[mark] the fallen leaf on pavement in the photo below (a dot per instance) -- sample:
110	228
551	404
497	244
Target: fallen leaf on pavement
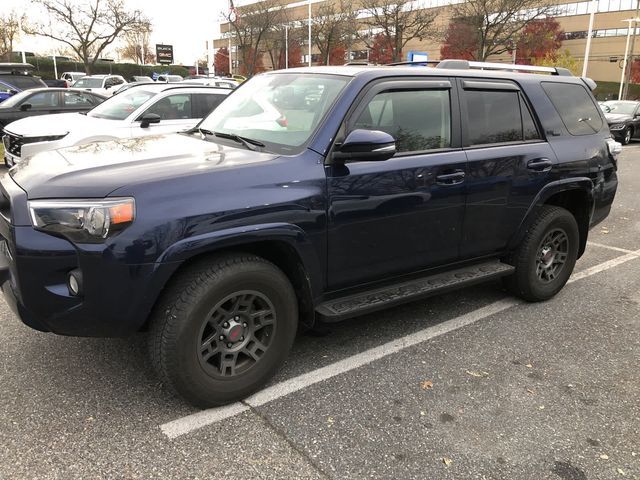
447	461
541	407
621	472
529	365
530	391
426	385
604	456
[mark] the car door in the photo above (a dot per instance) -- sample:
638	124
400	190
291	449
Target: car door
175	112
403	214
40	103
508	162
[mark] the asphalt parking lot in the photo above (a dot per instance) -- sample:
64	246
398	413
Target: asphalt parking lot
470	385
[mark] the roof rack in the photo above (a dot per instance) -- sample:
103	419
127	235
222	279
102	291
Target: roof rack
413	62
467	65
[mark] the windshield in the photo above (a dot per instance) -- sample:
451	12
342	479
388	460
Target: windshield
282	110
88	83
625	108
122	105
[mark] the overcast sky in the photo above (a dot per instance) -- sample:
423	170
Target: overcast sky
185	24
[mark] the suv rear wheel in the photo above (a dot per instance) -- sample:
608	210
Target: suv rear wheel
546	257
223	328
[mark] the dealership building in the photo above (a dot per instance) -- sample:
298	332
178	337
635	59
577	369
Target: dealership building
609	36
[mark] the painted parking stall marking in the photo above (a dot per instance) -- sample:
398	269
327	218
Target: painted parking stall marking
189	423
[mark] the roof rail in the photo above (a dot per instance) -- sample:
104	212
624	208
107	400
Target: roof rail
467	65
412	62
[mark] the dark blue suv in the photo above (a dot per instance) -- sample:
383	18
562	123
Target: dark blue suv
312	194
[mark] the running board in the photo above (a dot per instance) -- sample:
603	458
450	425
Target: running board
365	302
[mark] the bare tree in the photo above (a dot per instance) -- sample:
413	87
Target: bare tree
250	25
399	21
137	45
499	23
333	26
86	27
9	33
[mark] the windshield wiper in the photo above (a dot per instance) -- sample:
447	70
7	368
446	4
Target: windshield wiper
250	143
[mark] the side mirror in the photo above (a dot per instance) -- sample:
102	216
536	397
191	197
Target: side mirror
366	146
25	106
13	92
149	118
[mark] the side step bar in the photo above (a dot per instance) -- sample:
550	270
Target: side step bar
379	298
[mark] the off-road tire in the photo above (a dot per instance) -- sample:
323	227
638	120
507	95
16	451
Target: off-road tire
185	309
526	282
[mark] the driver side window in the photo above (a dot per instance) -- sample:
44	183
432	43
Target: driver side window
418	119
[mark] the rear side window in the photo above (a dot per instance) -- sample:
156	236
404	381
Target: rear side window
575	106
417	119
496	116
23	82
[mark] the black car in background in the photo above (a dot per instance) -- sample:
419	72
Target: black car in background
43	101
623	117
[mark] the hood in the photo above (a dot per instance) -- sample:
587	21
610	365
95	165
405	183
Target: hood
96	169
48	125
617	117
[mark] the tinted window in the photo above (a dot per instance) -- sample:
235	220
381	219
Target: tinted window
173	107
575	106
494	116
74	99
204	104
417	119
23	82
43	100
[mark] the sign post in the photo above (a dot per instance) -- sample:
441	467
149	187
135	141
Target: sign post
164	54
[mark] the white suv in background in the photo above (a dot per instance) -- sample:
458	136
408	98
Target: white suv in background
71	77
144	110
102	84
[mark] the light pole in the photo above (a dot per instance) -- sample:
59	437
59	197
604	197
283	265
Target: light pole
309	32
286	46
594	7
631	21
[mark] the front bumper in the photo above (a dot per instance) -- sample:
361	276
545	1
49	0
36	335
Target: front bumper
116	297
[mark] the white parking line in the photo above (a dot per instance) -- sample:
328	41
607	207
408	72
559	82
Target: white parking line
602	245
201	419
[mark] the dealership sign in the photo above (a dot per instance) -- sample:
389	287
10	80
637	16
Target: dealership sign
164	54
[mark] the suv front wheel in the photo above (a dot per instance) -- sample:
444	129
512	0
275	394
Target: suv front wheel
223	328
546	257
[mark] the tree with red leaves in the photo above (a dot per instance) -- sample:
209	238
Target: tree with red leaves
539	39
460	41
381	50
336	55
221	62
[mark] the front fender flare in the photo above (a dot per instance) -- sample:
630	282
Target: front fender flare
294	236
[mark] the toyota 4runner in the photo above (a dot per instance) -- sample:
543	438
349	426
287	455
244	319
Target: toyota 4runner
312	194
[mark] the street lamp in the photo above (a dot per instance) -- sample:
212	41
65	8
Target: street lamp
594	7
626	52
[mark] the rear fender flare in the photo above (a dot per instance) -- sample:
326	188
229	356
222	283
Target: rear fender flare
578	183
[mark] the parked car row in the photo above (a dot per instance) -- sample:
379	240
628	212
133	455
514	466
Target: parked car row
16	77
78	117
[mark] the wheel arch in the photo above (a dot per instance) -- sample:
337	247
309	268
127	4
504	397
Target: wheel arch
284	245
575	195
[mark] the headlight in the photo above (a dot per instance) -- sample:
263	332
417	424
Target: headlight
616	126
83	220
